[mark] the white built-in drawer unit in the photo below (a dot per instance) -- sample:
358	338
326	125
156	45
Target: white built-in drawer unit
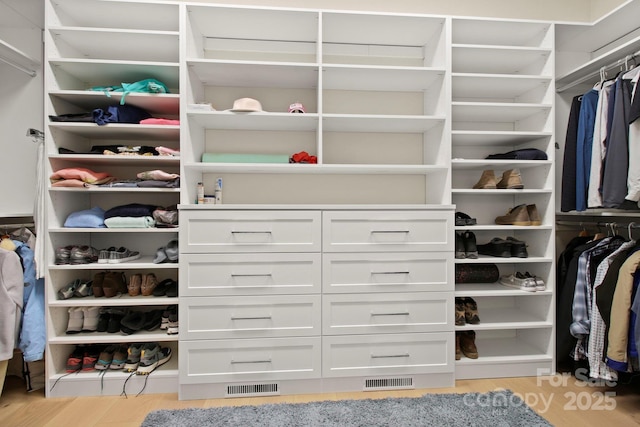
387	272
386	231
249	360
387	313
388	354
250	274
250	231
250	317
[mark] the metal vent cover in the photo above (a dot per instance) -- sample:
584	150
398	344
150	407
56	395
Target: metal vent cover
252	389
388	383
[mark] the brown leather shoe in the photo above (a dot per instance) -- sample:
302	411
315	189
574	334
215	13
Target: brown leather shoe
149	283
518	215
471	311
511	179
135	282
534	216
458	351
468	344
114	284
460	312
487	181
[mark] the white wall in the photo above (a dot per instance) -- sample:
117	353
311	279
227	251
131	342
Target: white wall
21	107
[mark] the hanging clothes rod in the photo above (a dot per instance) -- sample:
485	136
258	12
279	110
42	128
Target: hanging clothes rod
594	74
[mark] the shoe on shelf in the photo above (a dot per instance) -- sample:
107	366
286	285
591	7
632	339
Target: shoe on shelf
84	288
460	311
74	361
172	289
458	350
511	179
106	357
523	283
123	254
470	245
464	219
103	320
161	288
518	215
172	326
119	358
105	255
149	283
91	316
96	285
90	358
534	215
133	357
83	255
76	319
471	311
497	247
114	283
468	344
68	290
115	319
152	357
540	285
153	320
487	181
459	253
132	322
518	247
135	282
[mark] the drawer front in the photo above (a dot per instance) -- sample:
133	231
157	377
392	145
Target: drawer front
387	272
249	317
393	354
387	231
249	360
387	313
250	274
249	231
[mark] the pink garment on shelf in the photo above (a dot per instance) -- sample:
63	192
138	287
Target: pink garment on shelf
82	174
165	151
159	121
158	175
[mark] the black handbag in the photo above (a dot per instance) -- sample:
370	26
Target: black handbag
477	273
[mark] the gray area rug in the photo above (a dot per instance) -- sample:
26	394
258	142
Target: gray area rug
495	409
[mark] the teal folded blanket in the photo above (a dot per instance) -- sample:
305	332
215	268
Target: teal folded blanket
244	158
130	222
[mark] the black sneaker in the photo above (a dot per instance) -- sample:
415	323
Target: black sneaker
518	248
460	253
470	247
496	247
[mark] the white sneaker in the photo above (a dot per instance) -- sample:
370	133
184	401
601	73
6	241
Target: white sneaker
525	284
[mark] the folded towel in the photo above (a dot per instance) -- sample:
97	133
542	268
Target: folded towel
130	222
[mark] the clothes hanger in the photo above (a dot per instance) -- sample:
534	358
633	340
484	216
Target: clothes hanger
631	71
583	232
629	227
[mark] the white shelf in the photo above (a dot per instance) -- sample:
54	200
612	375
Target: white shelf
497	351
498	192
483	259
472	58
139	190
144	262
495	32
464	164
119	131
255	121
493	290
107	338
314	169
113	72
492	86
112	230
501	228
254	74
120	160
154	103
379	123
506	318
495	138
116	44
121	301
395	79
496	111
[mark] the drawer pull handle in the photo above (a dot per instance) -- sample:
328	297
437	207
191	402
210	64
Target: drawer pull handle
382	356
251	275
251	318
250	232
389	231
235	362
389	272
399	313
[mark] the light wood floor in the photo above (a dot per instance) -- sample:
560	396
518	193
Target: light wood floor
572	404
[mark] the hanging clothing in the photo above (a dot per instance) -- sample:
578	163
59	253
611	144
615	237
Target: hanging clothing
586	123
568	191
633	177
33	336
616	162
599	147
11	293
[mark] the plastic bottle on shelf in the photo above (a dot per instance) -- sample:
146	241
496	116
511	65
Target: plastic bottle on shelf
200	200
218	191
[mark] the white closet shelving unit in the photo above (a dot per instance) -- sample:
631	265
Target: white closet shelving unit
315	269
502	100
102	43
